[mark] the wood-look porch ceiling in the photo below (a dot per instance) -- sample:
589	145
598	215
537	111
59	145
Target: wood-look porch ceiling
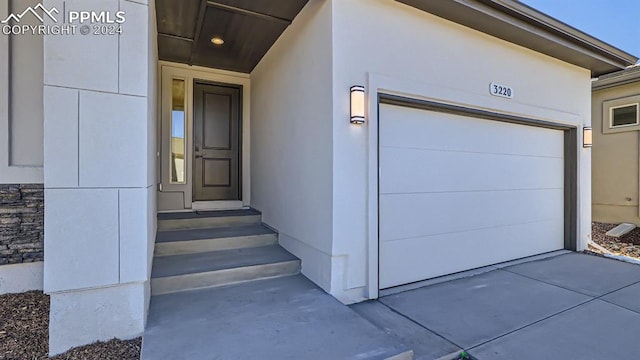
248	27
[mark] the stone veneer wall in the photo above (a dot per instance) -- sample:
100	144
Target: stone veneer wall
21	223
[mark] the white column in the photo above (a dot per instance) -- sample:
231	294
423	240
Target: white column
99	170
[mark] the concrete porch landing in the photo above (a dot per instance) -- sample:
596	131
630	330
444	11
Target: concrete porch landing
283	318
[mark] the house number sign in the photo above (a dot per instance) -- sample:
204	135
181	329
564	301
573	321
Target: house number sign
501	90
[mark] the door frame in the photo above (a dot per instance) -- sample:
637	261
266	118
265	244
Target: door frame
171	194
385	89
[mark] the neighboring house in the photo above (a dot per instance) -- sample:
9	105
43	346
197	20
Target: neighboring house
466	149
616	127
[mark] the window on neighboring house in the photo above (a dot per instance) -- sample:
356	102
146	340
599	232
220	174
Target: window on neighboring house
621	114
624	115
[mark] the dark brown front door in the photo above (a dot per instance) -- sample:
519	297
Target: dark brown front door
216	141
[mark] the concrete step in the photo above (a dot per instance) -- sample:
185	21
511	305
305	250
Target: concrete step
177	273
191	241
207	219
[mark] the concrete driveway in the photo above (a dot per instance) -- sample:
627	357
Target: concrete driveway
556	306
570	306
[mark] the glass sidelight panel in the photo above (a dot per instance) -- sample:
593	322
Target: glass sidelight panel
178	130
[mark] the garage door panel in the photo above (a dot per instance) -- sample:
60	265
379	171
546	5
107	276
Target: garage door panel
415	128
436	171
456	193
459	251
413	215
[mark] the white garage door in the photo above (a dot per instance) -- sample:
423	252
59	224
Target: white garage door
457	193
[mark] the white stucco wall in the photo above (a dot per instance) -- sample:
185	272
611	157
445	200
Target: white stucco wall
291	132
19	278
153	100
100	100
21	110
389	46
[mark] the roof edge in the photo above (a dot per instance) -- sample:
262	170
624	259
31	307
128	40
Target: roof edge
523	25
555	25
619	78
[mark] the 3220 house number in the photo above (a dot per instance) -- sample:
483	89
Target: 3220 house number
501	90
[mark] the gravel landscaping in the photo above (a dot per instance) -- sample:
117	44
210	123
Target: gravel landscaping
24	327
627	245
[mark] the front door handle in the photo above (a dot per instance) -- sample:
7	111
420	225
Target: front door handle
198	156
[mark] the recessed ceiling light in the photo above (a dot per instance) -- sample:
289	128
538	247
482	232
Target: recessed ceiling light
217	40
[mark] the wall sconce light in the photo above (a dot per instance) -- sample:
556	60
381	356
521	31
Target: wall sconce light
357	105
587	137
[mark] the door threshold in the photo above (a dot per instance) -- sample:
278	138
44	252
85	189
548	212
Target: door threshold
217	205
174	211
